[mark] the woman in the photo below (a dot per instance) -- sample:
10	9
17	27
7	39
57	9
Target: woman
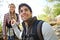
7	22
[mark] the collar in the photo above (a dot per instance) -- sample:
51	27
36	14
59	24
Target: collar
30	21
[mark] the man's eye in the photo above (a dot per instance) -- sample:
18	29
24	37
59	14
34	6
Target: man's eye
21	11
26	9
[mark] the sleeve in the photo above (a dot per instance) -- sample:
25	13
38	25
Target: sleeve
17	32
48	32
4	26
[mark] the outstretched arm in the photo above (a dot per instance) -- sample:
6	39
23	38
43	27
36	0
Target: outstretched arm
17	32
48	32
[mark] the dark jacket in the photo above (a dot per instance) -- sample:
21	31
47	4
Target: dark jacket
31	33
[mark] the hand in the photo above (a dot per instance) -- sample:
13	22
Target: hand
4	38
13	21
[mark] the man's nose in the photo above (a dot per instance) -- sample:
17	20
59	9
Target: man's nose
24	12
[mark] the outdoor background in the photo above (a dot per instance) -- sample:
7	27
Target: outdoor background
46	10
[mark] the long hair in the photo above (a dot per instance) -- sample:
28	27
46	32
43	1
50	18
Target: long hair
14	14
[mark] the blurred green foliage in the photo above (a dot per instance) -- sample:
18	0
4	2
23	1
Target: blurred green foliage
56	9
47	9
49	0
43	17
50	13
52	0
0	26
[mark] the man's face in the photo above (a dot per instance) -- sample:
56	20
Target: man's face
12	8
25	13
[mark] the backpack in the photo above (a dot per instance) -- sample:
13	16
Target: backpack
36	32
17	16
39	30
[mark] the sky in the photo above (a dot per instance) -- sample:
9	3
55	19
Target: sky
36	5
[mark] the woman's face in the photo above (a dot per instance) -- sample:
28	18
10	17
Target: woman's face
12	8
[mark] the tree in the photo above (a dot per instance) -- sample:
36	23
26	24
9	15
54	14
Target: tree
57	0
43	17
47	9
56	9
50	0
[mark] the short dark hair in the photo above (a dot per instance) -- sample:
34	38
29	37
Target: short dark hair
24	4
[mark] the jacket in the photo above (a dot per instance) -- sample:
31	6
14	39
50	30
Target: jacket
7	20
47	32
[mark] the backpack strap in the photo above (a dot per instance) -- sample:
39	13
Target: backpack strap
17	16
39	30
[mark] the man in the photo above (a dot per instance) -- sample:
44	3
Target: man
30	26
7	23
